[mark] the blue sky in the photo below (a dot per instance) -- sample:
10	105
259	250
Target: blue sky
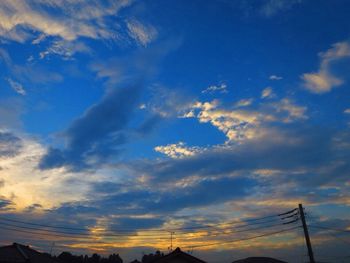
156	114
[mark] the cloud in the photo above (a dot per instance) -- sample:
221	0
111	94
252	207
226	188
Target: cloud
299	156
98	133
169	103
5	204
222	88
244	103
9	144
160	202
324	80
242	124
266	174
33	73
68	19
177	150
25	184
64	49
294	112
347	111
143	62
11	110
275	77
273	7
141	33
16	87
267	93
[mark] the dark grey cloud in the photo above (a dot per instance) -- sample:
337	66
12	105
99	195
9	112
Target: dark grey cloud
5	204
127	223
306	158
33	208
10	144
98	134
102	130
111	198
294	148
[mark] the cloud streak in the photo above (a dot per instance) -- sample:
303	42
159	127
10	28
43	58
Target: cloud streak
98	133
71	19
324	80
17	87
143	34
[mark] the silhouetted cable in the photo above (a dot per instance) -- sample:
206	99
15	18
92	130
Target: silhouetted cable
77	236
243	239
235	225
288	212
42	225
204	245
70	234
329	228
241	224
244	230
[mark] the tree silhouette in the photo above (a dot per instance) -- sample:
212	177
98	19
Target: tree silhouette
151	257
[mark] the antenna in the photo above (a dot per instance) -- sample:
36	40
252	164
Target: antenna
52	246
171	240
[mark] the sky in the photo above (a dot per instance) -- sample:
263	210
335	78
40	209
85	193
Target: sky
147	116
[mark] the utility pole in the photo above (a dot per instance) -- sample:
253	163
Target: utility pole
306	234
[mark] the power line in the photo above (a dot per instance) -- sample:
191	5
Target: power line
329	228
227	224
77	235
244	239
204	245
70	233
227	234
62	236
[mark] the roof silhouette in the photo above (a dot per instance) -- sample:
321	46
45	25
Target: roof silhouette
20	253
176	255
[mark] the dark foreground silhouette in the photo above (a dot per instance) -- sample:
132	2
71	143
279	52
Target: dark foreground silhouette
17	253
259	260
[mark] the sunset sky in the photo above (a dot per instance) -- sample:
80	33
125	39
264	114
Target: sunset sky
139	117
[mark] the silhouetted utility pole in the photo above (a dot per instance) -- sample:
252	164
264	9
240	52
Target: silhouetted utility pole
306	233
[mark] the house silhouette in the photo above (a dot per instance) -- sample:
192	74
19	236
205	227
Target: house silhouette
178	256
17	253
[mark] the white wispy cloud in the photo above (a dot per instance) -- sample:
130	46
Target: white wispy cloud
178	150
33	74
347	111
324	80
273	7
294	112
275	77
237	125
141	33
244	102
242	124
70	19
222	88
64	49
267	93
16	86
